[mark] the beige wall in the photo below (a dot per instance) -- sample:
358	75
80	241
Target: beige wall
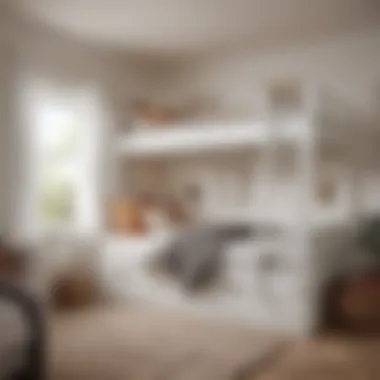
349	64
6	63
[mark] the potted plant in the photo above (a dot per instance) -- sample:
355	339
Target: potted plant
361	300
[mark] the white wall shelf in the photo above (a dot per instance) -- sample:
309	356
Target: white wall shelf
207	138
274	161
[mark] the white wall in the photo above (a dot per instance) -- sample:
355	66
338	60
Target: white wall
349	64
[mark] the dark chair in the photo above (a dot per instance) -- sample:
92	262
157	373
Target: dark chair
25	359
29	360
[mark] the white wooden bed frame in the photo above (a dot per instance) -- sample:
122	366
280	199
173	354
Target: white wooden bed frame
314	235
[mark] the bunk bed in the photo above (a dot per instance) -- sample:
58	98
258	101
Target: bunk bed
298	169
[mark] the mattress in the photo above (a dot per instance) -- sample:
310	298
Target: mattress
252	293
234	296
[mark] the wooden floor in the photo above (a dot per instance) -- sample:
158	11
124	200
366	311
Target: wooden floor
149	344
330	358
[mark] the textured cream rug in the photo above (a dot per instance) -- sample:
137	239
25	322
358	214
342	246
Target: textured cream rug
149	344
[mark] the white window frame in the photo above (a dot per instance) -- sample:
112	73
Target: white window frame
87	220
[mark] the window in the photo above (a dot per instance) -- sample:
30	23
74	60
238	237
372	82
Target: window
63	189
59	140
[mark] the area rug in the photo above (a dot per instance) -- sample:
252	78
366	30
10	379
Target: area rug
135	343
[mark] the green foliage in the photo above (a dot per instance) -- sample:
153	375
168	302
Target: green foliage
56	201
57	193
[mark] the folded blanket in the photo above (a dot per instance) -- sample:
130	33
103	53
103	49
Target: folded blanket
195	256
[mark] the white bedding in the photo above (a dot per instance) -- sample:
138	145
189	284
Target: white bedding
236	297
285	299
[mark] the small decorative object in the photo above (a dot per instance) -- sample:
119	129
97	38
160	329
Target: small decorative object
126	217
149	114
176	211
155	115
73	289
154	214
162	212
